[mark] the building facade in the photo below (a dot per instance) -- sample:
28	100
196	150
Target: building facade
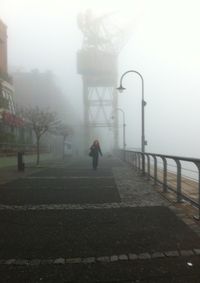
12	127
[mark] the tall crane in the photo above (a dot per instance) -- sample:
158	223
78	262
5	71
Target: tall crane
103	38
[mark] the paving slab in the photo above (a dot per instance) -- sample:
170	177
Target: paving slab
92	233
61	191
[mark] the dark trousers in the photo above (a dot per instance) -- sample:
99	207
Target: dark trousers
95	161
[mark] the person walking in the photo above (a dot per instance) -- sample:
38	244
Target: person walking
95	150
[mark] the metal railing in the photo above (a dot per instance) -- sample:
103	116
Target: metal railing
158	168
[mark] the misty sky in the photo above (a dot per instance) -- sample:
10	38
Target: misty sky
164	47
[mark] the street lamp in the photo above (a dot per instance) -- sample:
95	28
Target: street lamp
143	103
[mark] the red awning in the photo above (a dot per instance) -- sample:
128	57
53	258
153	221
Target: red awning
12	120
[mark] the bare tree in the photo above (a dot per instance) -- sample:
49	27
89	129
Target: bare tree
40	120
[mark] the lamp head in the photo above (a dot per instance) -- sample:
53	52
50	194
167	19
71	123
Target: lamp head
120	88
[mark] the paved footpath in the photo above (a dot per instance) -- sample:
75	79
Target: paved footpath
68	223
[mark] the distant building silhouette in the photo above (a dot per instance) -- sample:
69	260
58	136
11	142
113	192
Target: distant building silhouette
37	88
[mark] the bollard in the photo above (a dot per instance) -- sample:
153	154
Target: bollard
20	163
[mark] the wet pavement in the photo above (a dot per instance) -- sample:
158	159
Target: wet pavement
68	223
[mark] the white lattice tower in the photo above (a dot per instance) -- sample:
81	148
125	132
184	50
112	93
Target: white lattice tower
103	39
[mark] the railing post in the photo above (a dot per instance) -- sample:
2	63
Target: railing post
144	165
129	157
139	162
155	169
148	166
198	167
164	174
134	160
178	180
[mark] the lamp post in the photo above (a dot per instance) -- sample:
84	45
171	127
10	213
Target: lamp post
143	103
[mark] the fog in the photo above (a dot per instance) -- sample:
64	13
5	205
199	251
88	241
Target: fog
164	47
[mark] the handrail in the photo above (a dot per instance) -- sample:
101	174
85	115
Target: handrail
134	158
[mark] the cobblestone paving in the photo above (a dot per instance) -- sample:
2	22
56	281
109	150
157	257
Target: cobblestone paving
103	259
134	190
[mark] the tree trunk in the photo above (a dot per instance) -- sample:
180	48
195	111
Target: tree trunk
38	150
